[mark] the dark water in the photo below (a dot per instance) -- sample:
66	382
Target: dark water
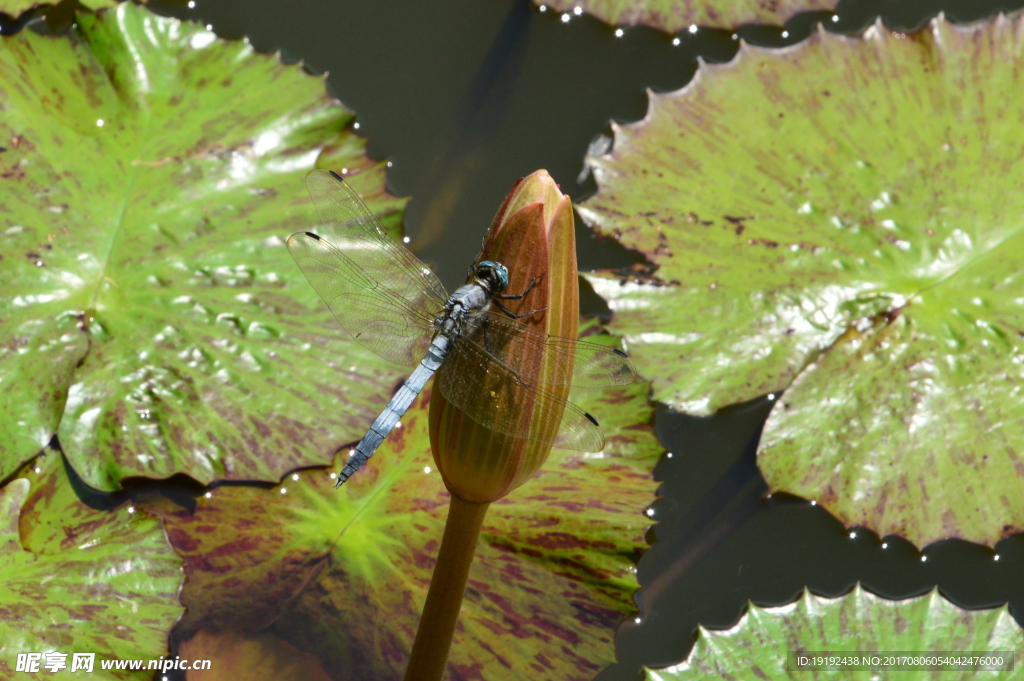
465	96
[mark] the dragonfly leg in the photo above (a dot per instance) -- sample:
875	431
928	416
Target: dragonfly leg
519	296
513	315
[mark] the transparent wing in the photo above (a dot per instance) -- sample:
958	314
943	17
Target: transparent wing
348	224
578	363
498	398
378	291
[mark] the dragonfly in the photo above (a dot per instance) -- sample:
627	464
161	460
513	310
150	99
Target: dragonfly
394	305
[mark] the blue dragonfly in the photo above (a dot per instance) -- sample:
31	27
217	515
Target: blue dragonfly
391	303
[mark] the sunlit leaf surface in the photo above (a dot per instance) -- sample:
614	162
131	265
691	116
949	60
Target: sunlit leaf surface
151	315
757	647
674	15
343	574
81	576
842	220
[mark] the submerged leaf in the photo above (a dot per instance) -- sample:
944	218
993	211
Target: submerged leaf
235	655
80	577
841	220
151	315
759	645
343	574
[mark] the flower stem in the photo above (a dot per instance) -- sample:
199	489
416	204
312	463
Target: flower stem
447	585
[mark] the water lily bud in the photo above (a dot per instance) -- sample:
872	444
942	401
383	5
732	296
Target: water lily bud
532	235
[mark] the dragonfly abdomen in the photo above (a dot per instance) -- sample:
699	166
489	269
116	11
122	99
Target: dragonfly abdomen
396	408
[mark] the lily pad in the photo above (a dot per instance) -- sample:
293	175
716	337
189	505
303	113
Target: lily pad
760	644
842	220
674	15
343	574
81	577
152	317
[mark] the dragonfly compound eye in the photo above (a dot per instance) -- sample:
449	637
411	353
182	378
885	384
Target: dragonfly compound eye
494	273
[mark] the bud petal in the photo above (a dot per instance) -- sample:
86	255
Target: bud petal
532	235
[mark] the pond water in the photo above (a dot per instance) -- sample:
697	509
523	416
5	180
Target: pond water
465	96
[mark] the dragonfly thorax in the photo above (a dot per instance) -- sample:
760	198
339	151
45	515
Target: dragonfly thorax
464	309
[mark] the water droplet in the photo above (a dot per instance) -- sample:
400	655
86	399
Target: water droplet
99	123
565	18
284	490
619	33
295	476
426	469
676	41
693	28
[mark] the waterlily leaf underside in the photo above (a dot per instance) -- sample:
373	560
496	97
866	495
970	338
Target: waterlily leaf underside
155	321
674	15
825	221
759	645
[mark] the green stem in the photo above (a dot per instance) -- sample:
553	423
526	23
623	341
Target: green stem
447	585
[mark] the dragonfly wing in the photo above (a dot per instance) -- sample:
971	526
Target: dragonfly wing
573	362
349	226
496	397
377	317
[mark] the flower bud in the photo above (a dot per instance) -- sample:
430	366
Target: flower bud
532	235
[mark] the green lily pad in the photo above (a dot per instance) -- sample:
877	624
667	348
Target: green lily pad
824	221
154	320
344	574
758	646
81	578
674	15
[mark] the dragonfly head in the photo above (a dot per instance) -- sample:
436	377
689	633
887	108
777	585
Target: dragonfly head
492	275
